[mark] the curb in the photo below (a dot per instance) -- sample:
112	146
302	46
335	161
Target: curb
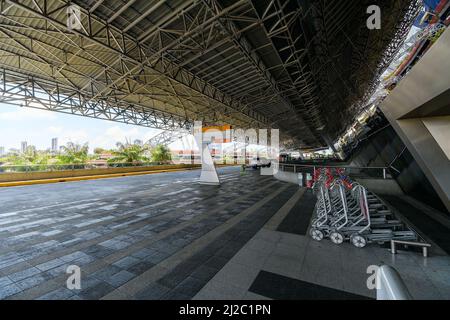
84	178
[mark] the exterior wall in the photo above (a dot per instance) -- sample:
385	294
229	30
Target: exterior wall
419	103
381	149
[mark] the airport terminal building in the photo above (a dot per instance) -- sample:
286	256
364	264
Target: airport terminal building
320	163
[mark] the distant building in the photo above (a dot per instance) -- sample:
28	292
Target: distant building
55	145
23	146
101	161
2	151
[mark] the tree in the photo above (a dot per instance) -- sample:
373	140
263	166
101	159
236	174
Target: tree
129	153
98	151
73	153
161	153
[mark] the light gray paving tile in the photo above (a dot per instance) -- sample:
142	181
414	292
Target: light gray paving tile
17	276
254	296
50	264
30	282
4	281
217	290
9	290
237	274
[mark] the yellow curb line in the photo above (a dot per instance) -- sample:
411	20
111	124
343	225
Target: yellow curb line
83	178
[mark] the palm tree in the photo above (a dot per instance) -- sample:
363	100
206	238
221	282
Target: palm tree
129	153
73	153
161	153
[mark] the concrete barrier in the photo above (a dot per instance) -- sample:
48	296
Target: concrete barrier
290	177
28	176
380	186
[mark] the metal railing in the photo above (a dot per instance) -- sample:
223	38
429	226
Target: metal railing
423	245
62	167
376	172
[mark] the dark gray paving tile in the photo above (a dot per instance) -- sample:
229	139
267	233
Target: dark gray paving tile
140	267
156	257
120	278
58	294
153	292
204	273
96	292
126	262
175	295
283	288
106	272
142	253
189	287
216	262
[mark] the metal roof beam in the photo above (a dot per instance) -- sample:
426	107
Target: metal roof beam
122	9
144	14
95	6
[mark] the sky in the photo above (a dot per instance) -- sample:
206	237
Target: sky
38	127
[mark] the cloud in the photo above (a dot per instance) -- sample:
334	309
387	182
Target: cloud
55	130
21	114
76	136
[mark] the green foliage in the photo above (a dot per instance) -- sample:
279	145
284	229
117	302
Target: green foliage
161	153
129	153
99	151
30	160
77	154
73	153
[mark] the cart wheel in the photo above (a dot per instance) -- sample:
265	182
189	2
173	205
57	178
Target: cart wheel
358	241
337	237
316	234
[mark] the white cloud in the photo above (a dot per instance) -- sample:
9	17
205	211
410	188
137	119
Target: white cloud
27	114
76	136
55	130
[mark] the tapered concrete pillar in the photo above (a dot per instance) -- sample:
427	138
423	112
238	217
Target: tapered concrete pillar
419	111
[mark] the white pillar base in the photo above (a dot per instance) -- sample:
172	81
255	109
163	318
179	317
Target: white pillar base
209	174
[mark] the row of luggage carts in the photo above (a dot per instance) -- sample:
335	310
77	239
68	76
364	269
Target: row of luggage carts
346	211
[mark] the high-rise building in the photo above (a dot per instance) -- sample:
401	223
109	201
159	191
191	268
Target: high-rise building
55	145
2	151
23	146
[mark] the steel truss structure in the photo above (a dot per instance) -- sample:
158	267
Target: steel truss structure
165	63
167	137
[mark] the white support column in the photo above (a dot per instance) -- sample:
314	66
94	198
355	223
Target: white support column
209	174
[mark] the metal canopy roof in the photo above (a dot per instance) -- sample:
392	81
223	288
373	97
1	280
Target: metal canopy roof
302	66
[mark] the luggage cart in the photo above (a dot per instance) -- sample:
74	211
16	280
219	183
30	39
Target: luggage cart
346	211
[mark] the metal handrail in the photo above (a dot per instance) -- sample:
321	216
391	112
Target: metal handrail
423	245
72	166
282	167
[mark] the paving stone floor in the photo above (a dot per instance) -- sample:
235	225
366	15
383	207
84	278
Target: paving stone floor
143	237
165	236
323	265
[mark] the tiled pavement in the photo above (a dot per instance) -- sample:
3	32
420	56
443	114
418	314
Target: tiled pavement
147	237
323	264
165	237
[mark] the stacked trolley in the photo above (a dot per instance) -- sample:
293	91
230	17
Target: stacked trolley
345	210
